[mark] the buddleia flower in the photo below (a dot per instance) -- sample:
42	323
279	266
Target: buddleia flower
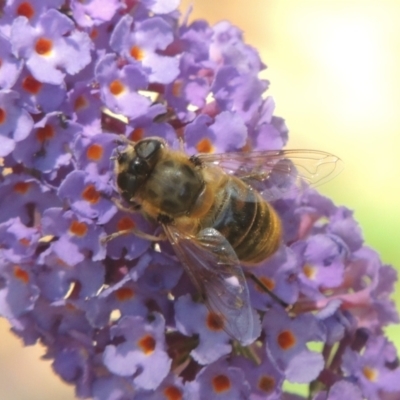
121	319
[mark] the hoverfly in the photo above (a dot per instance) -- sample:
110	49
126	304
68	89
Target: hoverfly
215	211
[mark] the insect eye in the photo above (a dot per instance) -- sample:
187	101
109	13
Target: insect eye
127	183
138	167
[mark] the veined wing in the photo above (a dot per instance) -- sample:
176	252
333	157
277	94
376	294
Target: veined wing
214	268
274	173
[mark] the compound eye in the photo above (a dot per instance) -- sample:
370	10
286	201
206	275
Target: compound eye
127	183
147	148
138	167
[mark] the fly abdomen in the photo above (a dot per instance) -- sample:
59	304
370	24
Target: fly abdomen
264	237
235	214
247	221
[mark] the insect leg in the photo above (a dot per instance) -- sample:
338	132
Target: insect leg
134	208
135	232
263	287
166	117
124	140
181	144
262	176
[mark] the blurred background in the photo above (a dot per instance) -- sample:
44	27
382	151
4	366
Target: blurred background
334	72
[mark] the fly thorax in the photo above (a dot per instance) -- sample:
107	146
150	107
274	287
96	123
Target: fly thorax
173	187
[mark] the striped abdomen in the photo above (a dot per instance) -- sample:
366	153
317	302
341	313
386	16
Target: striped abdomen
248	222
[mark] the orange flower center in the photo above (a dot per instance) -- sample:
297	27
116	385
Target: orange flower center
44	133
177	88
21	187
43	46
266	383
136	134
214	322
124	294
94	152
268	282
90	194
20	274
370	373
286	340
78	228
2	115
137	53
94	33
147	344
172	393
25	9
221	383
80	103
125	223
309	271
204	146
31	85
116	87
24	241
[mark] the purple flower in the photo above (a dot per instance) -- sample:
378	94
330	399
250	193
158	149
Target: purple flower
10	65
125	246
77	238
160	6
15	123
84	106
121	319
56	279
18	242
322	260
227	48
93	153
220	381
144	43
18	292
23	196
276	274
172	388
226	133
52	47
286	344
119	87
38	97
264	378
94	12
141	351
88	196
341	390
146	127
45	149
374	370
22	8
193	318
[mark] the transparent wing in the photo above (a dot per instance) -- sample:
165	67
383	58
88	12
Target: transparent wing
274	173
215	270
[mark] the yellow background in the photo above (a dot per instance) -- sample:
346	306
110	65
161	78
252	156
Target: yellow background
334	67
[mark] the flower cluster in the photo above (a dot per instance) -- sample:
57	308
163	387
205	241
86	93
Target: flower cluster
120	319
